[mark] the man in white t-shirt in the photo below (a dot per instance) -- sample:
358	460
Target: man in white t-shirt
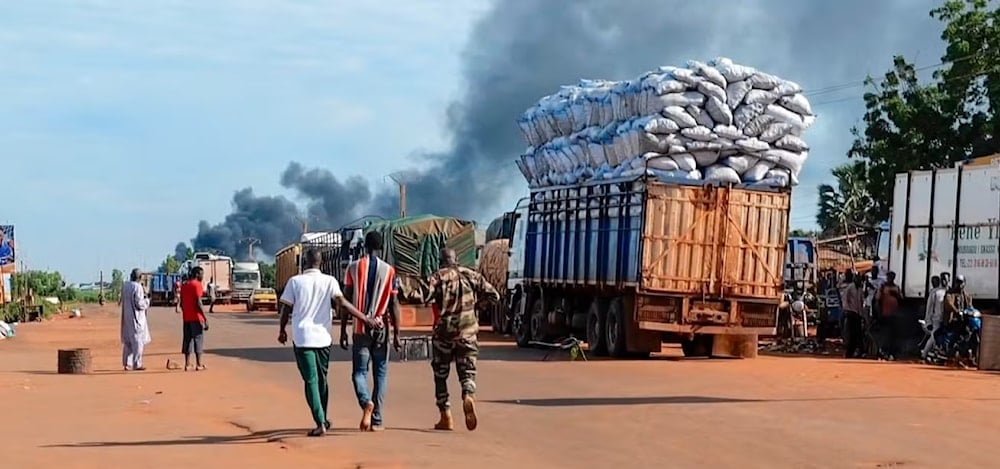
307	301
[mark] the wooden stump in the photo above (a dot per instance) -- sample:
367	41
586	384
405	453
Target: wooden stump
74	361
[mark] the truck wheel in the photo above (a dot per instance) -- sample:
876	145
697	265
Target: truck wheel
700	346
597	325
616	329
521	326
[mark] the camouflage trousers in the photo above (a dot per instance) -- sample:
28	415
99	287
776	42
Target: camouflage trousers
464	351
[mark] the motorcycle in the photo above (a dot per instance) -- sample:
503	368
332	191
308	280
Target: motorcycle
792	309
958	340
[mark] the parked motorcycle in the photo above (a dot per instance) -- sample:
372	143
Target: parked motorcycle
794	309
958	340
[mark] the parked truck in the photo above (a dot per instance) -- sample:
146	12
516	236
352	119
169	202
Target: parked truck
162	288
945	221
288	261
218	272
633	263
246	279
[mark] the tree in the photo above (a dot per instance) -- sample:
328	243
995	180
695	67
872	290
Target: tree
800	233
267	275
908	125
40	283
170	265
848	205
117	281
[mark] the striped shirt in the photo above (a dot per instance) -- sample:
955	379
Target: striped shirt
373	282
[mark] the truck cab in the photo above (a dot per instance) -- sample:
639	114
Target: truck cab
246	279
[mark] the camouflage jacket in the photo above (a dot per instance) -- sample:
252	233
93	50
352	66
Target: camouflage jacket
456	290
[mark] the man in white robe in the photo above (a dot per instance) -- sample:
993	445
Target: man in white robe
135	329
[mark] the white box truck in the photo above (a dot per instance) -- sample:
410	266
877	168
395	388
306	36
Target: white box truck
945	221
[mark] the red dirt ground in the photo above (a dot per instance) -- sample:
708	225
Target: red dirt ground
247	409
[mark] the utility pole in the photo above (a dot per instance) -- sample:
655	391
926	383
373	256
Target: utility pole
250	242
398	179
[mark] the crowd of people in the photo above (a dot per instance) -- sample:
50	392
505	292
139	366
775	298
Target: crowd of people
872	323
308	304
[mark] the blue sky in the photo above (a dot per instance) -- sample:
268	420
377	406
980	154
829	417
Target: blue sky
124	123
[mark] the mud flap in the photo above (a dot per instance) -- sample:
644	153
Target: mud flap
638	340
735	346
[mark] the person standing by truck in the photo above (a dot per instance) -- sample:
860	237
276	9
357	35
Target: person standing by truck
934	314
455	338
887	298
851	304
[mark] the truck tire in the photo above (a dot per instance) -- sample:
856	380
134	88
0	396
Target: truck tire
699	346
521	326
616	329
597	325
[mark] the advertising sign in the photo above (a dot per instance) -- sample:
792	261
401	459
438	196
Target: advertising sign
7	252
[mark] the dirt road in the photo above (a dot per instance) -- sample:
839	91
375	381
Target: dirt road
247	409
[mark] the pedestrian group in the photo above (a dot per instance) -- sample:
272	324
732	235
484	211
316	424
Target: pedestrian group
307	304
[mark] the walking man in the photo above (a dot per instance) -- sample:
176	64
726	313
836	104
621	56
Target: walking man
134	328
193	316
306	300
455	338
934	314
371	285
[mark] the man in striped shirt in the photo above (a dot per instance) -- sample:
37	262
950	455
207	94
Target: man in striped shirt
371	285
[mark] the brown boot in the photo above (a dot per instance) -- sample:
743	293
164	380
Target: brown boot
471	419
446	422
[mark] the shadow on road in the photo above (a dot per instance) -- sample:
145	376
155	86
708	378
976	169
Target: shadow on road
283	354
612	401
266	436
668	400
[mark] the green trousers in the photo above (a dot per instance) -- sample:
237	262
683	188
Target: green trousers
313	366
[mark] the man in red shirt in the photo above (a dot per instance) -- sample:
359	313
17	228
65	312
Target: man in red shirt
193	314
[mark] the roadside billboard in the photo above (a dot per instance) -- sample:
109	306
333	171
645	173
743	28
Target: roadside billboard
7	261
8	254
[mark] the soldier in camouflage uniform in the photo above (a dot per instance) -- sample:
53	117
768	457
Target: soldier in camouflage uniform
456	290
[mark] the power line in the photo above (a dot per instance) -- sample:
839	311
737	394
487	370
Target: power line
855	84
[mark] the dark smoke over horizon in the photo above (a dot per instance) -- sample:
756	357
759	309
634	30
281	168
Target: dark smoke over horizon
521	50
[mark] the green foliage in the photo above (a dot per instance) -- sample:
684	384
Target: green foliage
170	265
268	274
40	283
909	125
11	312
117	281
844	207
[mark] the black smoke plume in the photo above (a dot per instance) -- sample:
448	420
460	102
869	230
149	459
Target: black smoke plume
521	50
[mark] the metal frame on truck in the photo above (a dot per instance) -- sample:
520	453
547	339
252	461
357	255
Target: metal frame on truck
635	262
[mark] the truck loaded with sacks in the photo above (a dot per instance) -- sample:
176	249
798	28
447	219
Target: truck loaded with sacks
658	211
